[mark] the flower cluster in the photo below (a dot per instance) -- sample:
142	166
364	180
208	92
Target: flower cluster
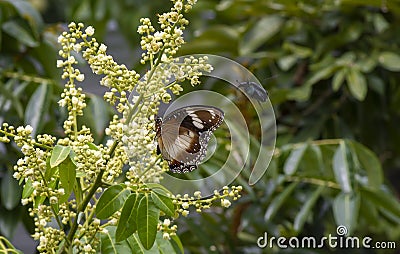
169	39
167	228
62	176
117	77
201	203
154	86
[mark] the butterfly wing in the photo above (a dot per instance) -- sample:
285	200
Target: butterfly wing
184	134
254	90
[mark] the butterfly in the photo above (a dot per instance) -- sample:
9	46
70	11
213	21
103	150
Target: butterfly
254	90
183	135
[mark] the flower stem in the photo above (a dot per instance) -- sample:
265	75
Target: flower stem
82	206
27	78
315	181
26	140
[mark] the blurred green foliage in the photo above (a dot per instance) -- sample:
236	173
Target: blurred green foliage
27	74
334	86
332	72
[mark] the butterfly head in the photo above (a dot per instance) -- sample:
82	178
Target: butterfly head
158	123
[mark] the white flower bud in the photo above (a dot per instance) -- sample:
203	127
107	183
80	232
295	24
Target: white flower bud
166	236
28	129
80	77
60	63
103	47
225	203
87	248
185	205
74	100
20	129
71	60
60	38
166	222
43	222
89	30
178	5
197	194
53	200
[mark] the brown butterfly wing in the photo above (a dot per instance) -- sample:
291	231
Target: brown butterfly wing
184	134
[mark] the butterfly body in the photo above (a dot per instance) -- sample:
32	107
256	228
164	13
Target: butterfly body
183	136
254	90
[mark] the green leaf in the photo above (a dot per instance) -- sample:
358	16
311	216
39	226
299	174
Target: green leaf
370	163
312	161
178	246
46	54
38	201
158	188
213	40
287	62
376	84
27	11
382	199
260	33
368	210
100	10
294	159
380	22
164	245
148	215
390	60
93	146
8	222
338	79
200	232
300	94
341	168
163	202
300	51
28	189
277	202
111	201
37	107
345	210
357	84
49	170
137	247
367	64
305	210
10	191
59	154
80	174
11	96
21	34
127	224
321	74
108	245
67	172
